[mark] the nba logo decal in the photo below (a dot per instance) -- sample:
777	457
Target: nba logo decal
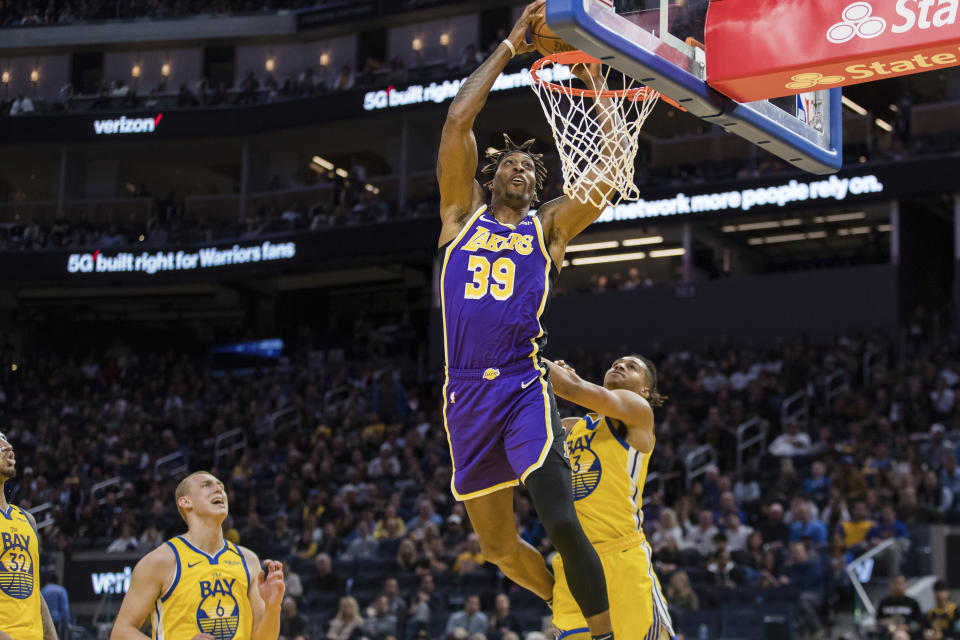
16	567
218	613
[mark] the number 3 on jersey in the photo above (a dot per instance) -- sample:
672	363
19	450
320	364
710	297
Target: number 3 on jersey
502	271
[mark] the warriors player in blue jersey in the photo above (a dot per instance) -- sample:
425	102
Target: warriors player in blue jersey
499	263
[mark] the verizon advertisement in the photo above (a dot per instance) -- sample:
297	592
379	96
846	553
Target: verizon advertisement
123	124
762	49
91	576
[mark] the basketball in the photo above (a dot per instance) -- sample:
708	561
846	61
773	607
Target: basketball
545	40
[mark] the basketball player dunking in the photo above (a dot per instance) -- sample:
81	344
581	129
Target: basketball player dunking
499	263
610	451
23	611
198	585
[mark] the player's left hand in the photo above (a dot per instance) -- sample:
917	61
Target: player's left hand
563	365
271	584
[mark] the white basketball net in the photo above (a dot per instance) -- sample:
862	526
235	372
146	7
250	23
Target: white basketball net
597	138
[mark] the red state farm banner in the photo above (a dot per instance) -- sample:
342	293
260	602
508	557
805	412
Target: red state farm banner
758	49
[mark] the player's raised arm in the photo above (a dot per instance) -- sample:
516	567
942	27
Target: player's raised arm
624	405
146	584
266	595
457	159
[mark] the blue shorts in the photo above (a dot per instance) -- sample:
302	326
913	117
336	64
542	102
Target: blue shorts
501	423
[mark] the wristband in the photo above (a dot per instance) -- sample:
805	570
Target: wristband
513	50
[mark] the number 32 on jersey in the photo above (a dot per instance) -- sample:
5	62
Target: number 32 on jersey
501	272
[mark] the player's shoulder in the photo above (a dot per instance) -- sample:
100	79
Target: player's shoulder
248	554
160	557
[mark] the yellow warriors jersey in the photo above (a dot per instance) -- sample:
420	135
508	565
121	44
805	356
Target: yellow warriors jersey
608	477
208	595
19	576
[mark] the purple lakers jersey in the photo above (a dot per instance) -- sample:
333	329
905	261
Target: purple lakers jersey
494	288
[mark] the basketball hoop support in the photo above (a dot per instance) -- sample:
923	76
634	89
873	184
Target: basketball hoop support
594	28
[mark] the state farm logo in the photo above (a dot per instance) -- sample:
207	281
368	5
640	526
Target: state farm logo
123	124
858	20
810	80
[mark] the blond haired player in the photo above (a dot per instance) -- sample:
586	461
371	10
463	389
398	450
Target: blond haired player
609	451
23	611
199	586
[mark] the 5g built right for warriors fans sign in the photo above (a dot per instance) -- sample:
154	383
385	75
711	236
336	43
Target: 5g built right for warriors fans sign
758	49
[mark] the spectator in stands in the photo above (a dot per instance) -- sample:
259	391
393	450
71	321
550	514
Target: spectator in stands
125	542
422	604
856	528
934	496
700	538
23	104
471	619
453	533
306	546
380	622
348	623
292	623
293	586
724	572
897	609
950	475
344	80
384	465
668	530
502	621
805	526
806	573
470	559
282	537
792	442
680	594
736	532
324	579
395	602
59	605
774	530
425	516
363	544
890	528
407	558
248	89
943	620
255	536
817	486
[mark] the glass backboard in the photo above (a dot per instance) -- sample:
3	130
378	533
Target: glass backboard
656	42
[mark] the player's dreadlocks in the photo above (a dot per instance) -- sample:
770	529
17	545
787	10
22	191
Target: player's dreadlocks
496	156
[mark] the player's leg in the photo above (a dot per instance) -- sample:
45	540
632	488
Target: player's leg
567	617
492	519
550	489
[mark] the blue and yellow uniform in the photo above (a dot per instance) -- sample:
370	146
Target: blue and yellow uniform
608	477
208	595
19	576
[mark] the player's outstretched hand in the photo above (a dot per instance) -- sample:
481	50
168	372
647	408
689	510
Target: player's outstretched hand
271	584
518	35
203	636
563	365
